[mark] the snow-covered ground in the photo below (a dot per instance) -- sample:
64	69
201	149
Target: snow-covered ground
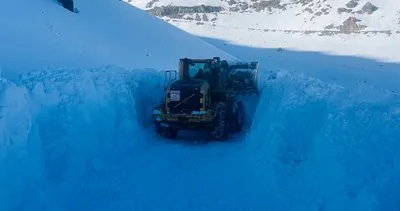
77	136
379	46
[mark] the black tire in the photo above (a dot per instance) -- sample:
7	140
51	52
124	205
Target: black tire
159	130
167	132
171	133
239	118
219	131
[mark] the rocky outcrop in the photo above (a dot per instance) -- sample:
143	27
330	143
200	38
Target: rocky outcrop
269	5
398	15
67	4
329	27
311	10
151	3
175	10
205	18
352	4
241	6
351	25
197	18
369	8
304	2
343	10
234	9
231	2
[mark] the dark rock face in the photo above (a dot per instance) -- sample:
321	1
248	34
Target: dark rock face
67	4
330	26
243	6
398	14
343	10
350	25
234	9
151	3
231	2
177	16
237	5
325	11
352	4
262	5
304	2
205	18
174	10
309	10
369	8
197	18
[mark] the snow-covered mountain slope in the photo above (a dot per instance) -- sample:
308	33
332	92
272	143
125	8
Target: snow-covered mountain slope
112	33
282	14
343	27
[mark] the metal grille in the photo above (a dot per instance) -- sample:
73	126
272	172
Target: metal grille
189	105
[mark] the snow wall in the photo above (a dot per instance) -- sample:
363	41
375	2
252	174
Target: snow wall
322	147
54	124
314	146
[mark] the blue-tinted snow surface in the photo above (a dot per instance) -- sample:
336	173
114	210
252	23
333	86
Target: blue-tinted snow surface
80	140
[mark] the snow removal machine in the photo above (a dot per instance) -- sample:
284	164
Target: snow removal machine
203	95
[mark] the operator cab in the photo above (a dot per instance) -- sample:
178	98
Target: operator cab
194	69
199	70
190	93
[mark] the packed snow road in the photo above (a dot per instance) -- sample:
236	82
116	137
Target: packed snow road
81	140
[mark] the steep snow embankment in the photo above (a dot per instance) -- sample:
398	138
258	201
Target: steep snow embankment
104	32
55	126
78	138
320	146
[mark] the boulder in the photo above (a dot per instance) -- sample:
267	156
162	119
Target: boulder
350	25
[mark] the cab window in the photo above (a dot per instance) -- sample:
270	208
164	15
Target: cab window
199	70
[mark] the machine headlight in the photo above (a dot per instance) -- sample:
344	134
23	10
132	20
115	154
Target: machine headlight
157	115
199	112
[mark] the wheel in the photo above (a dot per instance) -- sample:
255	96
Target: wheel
171	133
239	117
219	130
167	132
